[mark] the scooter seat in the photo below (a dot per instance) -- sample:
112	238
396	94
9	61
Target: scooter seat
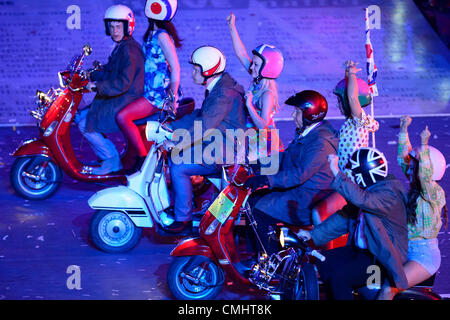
427	283
186	106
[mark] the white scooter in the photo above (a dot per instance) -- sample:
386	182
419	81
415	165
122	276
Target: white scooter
122	211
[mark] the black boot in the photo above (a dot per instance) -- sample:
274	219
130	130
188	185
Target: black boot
179	227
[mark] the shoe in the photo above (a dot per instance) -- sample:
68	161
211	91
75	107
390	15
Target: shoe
108	166
179	227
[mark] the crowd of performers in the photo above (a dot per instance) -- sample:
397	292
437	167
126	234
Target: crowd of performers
387	225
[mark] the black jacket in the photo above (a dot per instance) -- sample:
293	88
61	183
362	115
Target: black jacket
120	82
303	177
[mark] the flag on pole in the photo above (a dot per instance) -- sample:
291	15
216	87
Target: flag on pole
371	67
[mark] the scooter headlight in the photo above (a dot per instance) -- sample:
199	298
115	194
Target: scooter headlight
50	128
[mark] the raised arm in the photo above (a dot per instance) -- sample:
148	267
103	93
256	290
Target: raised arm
404	145
238	46
352	89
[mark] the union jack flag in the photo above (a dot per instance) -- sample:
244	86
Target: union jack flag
371	67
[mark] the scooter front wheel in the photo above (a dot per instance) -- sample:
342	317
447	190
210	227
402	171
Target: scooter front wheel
194	278
113	231
35	177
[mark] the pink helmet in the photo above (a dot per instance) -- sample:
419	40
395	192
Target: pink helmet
272	61
437	161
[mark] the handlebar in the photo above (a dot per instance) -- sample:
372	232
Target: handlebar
317	254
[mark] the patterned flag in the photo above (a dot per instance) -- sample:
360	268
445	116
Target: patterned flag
371	67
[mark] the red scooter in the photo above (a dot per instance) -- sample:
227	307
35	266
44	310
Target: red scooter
202	263
37	170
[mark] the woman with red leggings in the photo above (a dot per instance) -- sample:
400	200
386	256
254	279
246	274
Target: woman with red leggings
162	73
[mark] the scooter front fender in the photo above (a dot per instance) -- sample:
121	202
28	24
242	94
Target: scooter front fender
123	199
193	247
33	147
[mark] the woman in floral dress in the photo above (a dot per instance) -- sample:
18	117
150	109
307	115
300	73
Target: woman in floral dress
162	73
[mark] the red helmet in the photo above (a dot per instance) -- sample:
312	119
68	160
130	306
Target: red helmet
313	104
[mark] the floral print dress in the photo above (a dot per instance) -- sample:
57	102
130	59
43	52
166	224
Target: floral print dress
260	145
157	71
354	134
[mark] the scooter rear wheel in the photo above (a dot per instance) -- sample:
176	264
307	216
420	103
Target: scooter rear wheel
194	278
35	177
113	231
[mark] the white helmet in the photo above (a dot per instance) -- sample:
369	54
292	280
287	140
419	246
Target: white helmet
122	13
161	10
210	60
437	161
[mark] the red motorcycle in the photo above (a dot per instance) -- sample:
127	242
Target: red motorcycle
202	263
40	162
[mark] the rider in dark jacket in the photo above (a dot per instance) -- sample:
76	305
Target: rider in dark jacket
375	220
304	176
120	82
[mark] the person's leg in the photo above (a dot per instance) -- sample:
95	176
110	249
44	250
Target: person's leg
415	273
104	148
344	270
138	109
182	187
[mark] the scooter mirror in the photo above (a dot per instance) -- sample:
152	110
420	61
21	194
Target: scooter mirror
87	50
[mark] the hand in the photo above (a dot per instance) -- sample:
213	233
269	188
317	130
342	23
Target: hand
256	182
405	121
350	68
425	136
334	163
231	19
168	145
91	86
304	234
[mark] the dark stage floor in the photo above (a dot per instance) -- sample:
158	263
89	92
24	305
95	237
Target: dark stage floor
39	240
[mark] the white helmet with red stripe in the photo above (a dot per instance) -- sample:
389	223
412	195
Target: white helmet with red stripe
210	60
122	13
161	10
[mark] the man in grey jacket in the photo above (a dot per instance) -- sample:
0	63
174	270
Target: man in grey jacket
375	220
304	176
222	109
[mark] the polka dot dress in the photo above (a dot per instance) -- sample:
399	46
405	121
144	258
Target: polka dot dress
354	134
